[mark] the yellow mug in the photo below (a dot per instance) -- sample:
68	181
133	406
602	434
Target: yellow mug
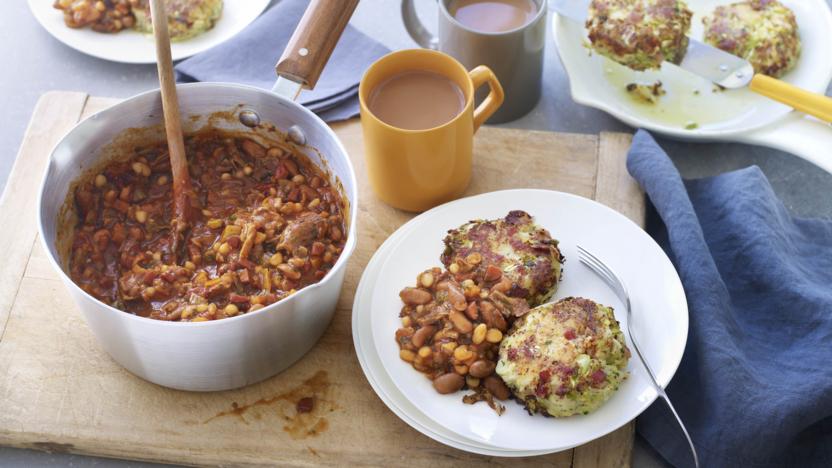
418	169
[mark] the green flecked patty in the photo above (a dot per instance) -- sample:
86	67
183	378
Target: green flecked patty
564	358
639	34
764	32
186	18
524	253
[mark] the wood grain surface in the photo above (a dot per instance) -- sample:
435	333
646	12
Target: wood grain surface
60	392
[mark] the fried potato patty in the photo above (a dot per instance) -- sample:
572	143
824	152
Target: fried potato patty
186	18
565	358
639	34
513	250
764	32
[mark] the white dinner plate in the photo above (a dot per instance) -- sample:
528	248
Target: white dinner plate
733	114
380	381
656	292
130	46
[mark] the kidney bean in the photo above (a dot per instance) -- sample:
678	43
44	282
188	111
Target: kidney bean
455	294
503	286
497	387
448	383
492	273
472	311
492	316
489	312
482	368
234	241
460	322
500	322
234	297
402	334
415	296
292	166
252	148
422	335
281	172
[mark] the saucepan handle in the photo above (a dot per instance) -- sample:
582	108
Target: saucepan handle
314	39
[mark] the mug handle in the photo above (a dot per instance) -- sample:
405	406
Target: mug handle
415	28
479	76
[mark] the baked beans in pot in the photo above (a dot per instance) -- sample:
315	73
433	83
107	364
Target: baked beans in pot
269	224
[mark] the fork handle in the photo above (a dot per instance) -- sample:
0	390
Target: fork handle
666	399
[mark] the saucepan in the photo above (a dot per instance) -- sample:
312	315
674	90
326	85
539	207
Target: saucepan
693	109
237	351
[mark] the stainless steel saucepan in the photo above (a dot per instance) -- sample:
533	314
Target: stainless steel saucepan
231	352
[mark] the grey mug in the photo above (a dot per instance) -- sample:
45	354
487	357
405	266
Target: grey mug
515	56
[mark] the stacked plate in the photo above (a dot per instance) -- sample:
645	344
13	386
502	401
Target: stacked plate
129	46
660	321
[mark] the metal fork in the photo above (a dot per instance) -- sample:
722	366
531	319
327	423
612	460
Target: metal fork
599	268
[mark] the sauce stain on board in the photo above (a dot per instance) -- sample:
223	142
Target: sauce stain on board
302	409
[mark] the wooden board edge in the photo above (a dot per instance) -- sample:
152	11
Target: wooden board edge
54	114
613	183
97	104
614	450
120	451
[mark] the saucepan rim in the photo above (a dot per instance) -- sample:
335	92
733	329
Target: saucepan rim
351	194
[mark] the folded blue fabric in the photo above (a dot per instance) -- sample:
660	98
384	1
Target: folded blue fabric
755	384
250	56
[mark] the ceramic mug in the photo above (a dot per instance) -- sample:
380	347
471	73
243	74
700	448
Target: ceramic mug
415	170
515	56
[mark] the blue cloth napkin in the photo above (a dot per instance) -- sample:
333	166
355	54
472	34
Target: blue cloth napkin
755	384
250	56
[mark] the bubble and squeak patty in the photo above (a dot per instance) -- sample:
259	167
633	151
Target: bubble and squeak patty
565	358
639	34
514	250
764	32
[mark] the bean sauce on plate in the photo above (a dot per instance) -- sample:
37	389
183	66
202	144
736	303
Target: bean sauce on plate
268	223
106	16
452	327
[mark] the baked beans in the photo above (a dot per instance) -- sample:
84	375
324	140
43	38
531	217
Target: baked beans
269	224
451	331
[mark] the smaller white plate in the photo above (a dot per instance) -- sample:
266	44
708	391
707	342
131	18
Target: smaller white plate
655	289
130	46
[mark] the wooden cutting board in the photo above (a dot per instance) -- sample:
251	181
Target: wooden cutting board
60	392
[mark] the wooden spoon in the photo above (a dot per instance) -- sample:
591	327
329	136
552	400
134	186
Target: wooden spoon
183	193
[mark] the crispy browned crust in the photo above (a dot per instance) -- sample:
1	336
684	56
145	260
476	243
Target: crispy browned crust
639	34
584	321
533	265
764	32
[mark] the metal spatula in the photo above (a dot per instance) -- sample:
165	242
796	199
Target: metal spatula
726	70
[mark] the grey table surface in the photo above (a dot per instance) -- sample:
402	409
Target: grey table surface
37	63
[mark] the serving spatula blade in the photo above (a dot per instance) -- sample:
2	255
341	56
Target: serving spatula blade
720	67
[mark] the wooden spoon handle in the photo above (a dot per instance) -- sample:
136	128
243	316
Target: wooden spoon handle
314	39
182	188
